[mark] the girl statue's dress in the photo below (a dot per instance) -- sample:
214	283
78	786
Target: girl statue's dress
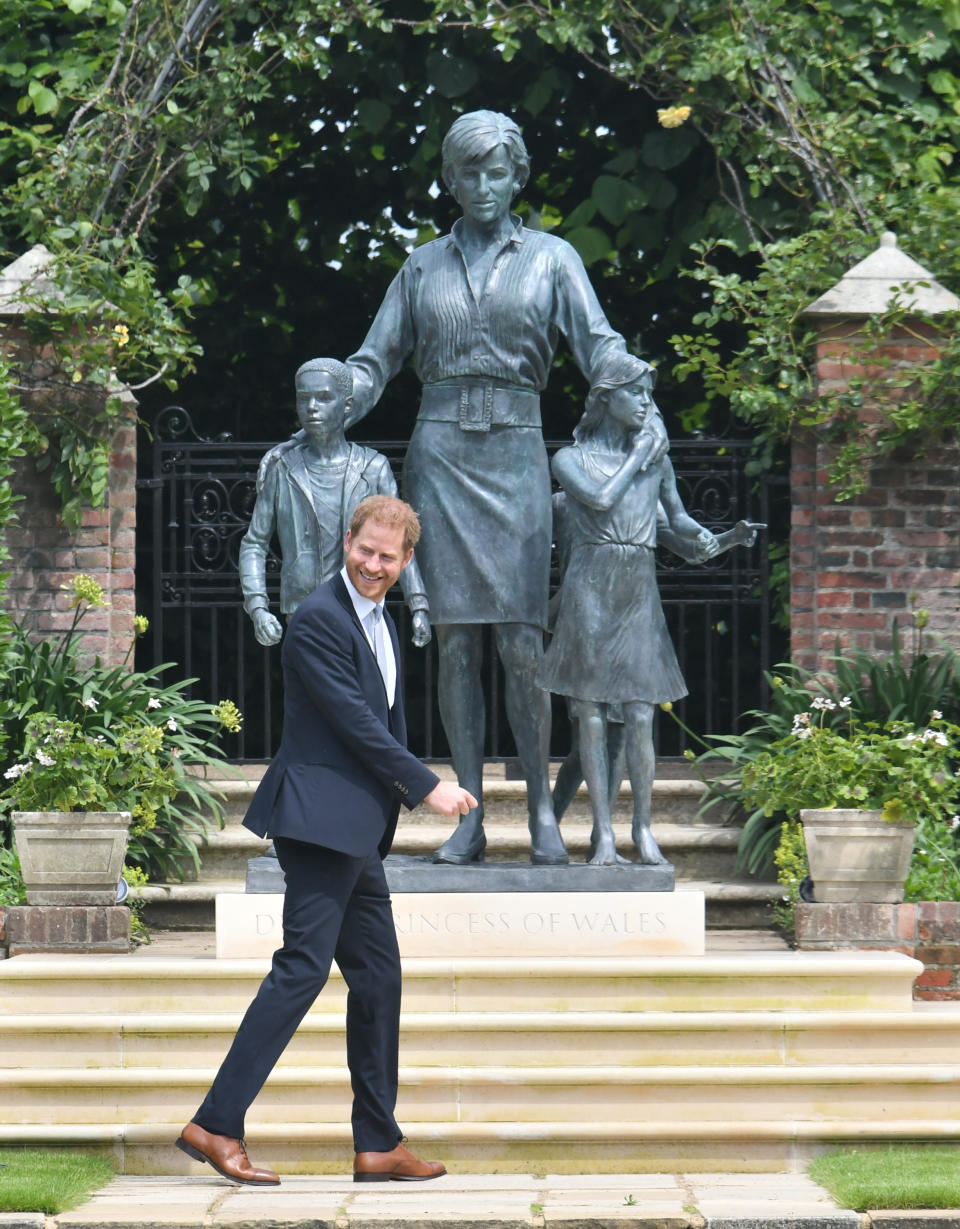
610	642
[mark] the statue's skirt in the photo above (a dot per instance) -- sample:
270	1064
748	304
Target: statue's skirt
611	642
483	498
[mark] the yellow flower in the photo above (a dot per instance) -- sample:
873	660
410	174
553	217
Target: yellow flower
121	334
77	376
229	716
85	589
672	117
667	706
141	625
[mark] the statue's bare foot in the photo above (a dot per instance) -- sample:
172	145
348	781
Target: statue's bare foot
647	847
603	852
466	844
546	843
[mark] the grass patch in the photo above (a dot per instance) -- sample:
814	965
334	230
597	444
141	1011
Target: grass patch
49	1180
902	1177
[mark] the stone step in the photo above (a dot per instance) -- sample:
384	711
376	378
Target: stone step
697	852
498	1039
665	1143
739	1060
917	1094
67	986
505	802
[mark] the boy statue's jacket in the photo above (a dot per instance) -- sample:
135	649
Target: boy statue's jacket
285	506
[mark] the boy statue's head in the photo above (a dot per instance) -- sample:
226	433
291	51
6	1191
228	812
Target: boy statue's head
324	395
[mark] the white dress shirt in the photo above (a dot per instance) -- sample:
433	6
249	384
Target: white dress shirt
382	647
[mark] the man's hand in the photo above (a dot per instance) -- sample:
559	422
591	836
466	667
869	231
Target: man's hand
266	627
450	800
421	628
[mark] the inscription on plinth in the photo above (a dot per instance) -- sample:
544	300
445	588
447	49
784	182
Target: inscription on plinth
498	924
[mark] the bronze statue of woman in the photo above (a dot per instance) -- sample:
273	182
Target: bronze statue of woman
480	311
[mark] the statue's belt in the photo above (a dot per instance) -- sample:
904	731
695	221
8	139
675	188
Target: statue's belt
478	405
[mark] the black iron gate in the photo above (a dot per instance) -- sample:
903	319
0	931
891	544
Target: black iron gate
193	511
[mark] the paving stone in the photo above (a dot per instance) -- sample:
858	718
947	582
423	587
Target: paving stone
935	1218
22	1220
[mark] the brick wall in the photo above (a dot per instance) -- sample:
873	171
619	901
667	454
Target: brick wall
856	564
44	554
928	930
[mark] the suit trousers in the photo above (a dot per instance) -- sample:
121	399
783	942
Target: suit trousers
336	906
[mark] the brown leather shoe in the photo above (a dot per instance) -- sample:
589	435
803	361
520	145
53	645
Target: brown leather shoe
400	1165
226	1155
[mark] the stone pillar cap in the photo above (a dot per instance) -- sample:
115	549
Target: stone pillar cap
25	281
886	278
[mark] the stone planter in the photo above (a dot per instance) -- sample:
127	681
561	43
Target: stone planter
71	857
857	856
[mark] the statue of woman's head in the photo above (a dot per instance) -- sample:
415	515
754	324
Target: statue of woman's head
476	134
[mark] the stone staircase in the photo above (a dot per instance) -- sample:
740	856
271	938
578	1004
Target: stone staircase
703	850
743	1060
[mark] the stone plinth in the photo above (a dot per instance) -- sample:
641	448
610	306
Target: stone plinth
928	930
92	929
501	924
410	873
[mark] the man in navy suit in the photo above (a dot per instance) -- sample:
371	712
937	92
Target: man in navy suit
330	801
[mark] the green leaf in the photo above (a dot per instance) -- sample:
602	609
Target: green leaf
615	198
451	75
668	147
373	114
592	243
44	100
584	212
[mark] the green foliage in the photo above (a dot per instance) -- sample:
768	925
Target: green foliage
171	155
899	768
935	861
176	802
899	687
790	859
12	891
60	767
922	1176
49	1180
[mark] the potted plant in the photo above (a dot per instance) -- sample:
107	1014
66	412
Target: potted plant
73	795
859	790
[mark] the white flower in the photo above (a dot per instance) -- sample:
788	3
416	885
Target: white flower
845	702
153	702
16	770
799	721
44	759
823	702
172	725
954	823
90	702
936	715
805	733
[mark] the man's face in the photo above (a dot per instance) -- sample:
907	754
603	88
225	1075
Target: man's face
484	189
320	404
374	558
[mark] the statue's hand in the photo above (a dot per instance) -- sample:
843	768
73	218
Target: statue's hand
266	627
651	443
421	629
706	545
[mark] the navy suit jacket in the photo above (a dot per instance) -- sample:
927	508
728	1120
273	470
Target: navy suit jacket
343	768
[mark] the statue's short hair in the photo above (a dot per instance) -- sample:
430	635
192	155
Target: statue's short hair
340	372
474	135
387	510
